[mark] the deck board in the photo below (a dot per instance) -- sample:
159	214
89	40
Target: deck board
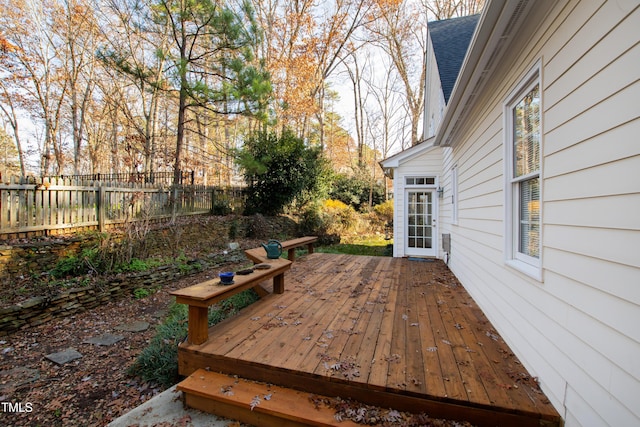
369	325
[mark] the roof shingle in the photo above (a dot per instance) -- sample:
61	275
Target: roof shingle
451	38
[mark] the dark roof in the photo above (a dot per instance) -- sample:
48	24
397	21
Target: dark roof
451	38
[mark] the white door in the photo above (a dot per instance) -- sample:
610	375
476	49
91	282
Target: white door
421	235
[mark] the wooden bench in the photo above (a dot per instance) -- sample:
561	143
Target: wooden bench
199	297
259	255
291	245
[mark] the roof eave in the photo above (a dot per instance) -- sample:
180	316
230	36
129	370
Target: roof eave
397	159
485	49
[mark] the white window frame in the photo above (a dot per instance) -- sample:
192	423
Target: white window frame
424	184
529	265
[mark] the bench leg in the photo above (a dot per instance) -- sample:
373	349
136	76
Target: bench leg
292	254
278	284
198	325
310	248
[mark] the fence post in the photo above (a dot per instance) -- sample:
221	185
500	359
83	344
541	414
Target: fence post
101	206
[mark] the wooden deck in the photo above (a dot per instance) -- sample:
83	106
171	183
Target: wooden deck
385	331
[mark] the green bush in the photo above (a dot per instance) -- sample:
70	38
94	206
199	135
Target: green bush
280	169
328	220
158	363
221	207
357	190
69	266
77	265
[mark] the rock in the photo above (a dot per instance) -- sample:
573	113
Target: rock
12	378
34	302
234	246
137	326
106	339
65	356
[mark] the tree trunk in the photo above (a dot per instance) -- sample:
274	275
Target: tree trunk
182	106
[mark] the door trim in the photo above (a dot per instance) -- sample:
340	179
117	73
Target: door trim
425	252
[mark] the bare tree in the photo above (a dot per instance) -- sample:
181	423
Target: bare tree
446	9
386	93
35	71
304	43
355	71
127	54
75	26
9	110
401	33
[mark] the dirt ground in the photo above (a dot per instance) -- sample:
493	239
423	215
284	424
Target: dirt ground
92	390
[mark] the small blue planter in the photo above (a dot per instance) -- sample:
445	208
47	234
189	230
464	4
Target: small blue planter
226	277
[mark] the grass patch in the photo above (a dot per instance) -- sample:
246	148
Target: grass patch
158	363
366	245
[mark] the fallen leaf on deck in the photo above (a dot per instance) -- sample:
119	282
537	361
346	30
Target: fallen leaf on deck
255	402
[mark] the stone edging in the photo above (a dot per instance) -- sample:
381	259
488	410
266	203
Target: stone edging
38	310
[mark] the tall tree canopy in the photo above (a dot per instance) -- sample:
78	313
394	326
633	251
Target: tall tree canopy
103	86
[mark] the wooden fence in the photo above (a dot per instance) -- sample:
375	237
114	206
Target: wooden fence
154	178
52	207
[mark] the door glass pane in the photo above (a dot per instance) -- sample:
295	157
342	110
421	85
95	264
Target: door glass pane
419	216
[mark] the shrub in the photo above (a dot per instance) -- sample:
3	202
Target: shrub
76	265
328	220
340	218
233	229
158	363
385	210
278	170
357	190
221	207
69	266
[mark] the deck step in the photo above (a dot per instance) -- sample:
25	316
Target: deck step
253	402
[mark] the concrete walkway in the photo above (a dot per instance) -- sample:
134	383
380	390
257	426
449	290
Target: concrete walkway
165	410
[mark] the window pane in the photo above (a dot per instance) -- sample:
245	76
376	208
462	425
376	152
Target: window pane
526	133
530	217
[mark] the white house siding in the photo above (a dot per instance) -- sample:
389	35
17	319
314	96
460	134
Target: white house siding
579	329
428	163
434	97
